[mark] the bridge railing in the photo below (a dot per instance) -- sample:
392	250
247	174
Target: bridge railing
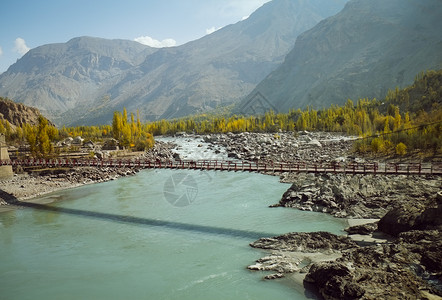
233	165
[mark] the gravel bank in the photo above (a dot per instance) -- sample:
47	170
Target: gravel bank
27	186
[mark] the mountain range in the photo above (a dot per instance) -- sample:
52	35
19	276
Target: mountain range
287	54
83	81
371	46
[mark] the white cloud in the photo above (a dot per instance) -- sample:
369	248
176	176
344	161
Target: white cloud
20	46
148	41
212	29
1	51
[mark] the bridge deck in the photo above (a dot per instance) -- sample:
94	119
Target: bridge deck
220	165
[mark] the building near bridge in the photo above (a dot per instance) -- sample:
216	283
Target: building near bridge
5	171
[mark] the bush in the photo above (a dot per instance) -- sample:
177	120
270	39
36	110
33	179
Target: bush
361	146
377	145
401	149
144	143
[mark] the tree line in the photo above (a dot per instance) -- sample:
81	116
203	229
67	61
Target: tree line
405	120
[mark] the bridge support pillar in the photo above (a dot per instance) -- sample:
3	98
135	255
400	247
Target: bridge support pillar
5	171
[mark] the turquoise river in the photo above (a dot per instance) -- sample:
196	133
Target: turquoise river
162	234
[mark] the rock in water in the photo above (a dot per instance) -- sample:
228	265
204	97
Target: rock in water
306	242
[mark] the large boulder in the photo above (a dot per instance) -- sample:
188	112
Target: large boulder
431	217
334	281
363	229
412	216
400	219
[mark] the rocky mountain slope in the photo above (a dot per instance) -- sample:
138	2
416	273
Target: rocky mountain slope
17	114
366	49
57	78
84	80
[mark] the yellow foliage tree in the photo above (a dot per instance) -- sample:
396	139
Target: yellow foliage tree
401	149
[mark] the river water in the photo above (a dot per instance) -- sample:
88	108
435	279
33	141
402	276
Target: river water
162	234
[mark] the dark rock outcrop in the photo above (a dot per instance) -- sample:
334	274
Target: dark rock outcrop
335	281
293	252
413	216
400	219
409	268
306	242
358	196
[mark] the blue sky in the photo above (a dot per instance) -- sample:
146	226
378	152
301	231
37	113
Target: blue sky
26	24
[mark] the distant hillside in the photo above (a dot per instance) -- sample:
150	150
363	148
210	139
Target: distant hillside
424	94
17	114
365	50
84	80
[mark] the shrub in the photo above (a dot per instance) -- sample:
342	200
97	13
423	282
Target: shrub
377	145
401	149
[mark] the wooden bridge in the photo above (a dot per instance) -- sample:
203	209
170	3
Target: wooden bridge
231	165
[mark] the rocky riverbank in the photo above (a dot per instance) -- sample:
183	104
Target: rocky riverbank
399	258
409	267
26	186
357	196
312	147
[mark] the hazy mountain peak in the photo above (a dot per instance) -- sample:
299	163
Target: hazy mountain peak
84	80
